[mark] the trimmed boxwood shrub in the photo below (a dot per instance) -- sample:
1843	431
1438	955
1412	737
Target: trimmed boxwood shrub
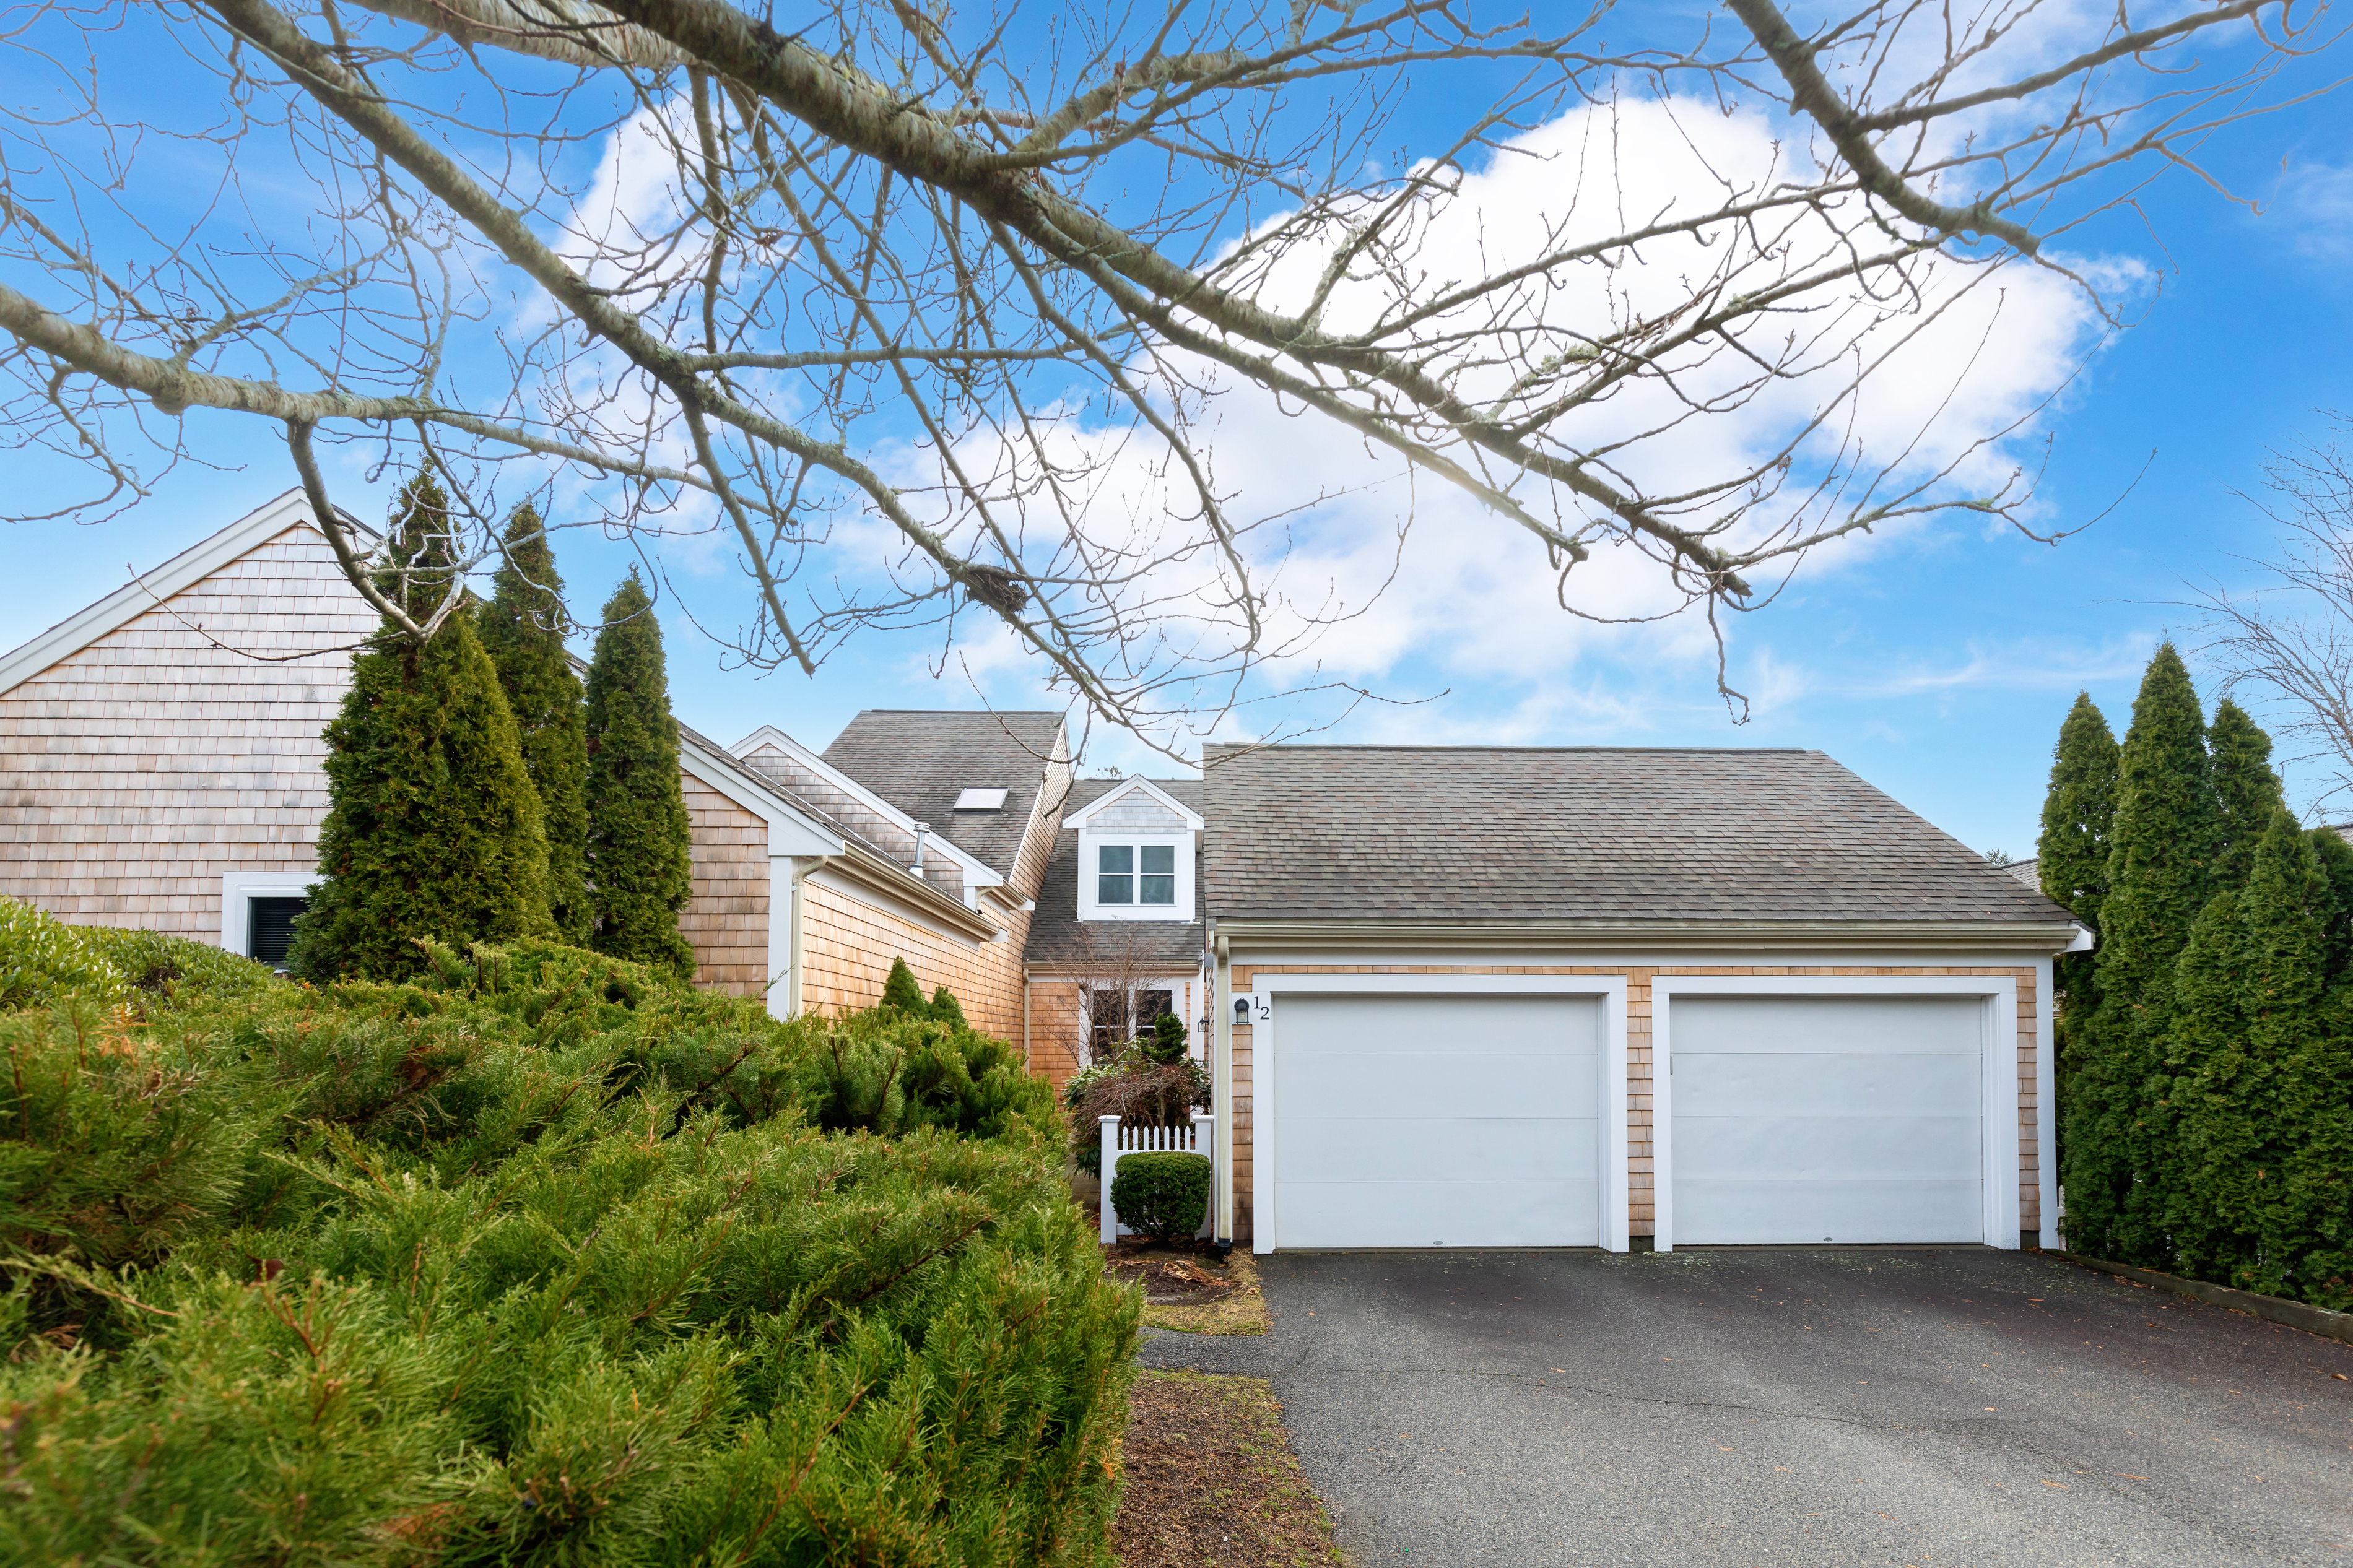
1162	1194
537	1256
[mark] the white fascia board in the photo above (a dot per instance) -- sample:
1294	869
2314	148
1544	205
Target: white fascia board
977	873
789	832
178	575
1077	820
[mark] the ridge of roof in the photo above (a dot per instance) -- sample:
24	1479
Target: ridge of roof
919	759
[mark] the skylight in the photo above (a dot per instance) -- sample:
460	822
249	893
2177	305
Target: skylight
981	800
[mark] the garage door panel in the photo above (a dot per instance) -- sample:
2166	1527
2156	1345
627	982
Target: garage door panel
1854	1118
1449	1120
1785	1212
1310	1025
1483	1148
1438	1213
1805	1026
1860	1085
1463	1083
1822	1148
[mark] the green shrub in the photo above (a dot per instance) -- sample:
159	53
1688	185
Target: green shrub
900	990
1166	1045
43	959
947	1009
538	1258
1162	1194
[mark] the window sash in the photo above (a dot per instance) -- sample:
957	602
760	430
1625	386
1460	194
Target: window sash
1113	881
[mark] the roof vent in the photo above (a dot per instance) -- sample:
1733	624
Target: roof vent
981	800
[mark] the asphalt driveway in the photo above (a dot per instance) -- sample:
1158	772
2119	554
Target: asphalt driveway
1947	1405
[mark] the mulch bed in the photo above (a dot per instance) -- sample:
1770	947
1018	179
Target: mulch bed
1190	1288
1210	1482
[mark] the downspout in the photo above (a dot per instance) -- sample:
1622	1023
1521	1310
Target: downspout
793	974
1221	1080
1025	1019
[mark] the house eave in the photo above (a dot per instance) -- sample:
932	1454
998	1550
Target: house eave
864	867
2037	938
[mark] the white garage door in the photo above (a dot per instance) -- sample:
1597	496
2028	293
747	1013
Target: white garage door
1812	1118
1436	1121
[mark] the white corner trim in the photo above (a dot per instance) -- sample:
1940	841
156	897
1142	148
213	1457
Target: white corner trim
1077	820
239	889
977	873
2046	1105
1997	1088
1609	988
136	598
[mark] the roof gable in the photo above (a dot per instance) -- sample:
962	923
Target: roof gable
1579	833
173	577
1122	791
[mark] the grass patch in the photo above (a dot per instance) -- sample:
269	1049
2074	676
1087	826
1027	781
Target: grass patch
1210	1482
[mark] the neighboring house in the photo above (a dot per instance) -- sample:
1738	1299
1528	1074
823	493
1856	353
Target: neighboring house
1505	997
1116	940
160	767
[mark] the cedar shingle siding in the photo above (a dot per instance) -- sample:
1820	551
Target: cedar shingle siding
138	771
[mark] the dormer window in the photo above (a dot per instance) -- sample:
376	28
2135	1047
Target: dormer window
1135	873
980	800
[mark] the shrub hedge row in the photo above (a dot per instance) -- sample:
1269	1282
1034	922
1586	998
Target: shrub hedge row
540	1258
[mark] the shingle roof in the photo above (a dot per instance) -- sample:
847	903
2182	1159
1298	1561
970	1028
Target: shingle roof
2026	873
921	761
1578	832
1057	938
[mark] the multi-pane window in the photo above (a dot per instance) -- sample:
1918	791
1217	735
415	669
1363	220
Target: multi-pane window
1118	1015
1136	874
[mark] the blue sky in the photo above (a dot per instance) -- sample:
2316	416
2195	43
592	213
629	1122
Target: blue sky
1937	663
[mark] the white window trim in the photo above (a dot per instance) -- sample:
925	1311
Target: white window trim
1609	988
1091	910
1997	1088
239	890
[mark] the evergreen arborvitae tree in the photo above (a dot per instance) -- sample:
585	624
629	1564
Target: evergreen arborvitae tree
639	839
2072	858
2236	1123
2337	865
2161	844
2246	791
524	628
900	990
2208	1026
432	827
947	1009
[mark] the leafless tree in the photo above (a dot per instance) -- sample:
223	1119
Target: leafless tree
1092	1007
2292	638
930	313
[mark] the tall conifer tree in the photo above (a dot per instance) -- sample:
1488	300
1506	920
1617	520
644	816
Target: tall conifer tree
432	827
2238	1134
2246	791
2072	858
640	838
2161	842
2208	1026
524	628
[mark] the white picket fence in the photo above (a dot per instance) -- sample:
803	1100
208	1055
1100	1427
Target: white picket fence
1200	1138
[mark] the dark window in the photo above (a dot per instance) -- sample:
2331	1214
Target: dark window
1158	874
1115	874
1107	1011
1149	1006
270	928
